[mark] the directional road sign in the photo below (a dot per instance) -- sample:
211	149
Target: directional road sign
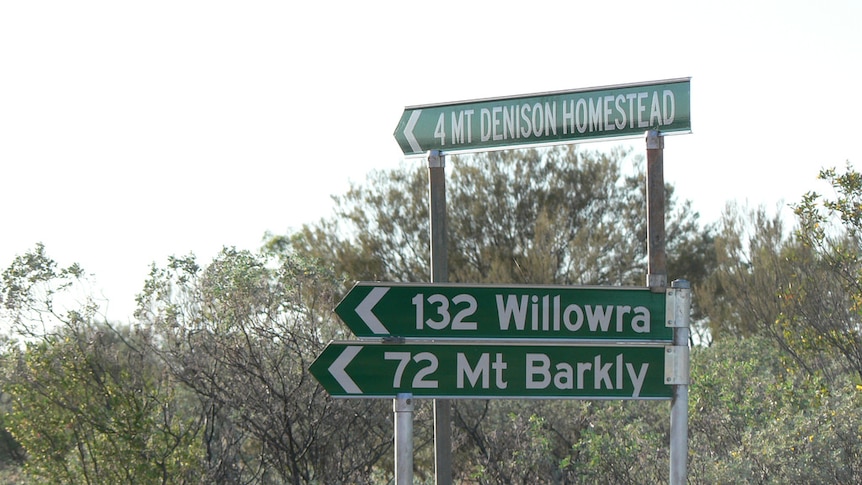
464	311
546	118
364	369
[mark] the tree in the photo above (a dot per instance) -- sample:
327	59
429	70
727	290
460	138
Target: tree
826	295
87	402
241	333
555	216
753	419
741	296
800	288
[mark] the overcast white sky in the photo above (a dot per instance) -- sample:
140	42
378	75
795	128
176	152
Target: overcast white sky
130	131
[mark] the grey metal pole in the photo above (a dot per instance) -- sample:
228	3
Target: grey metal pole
403	407
657	280
679	396
657	258
440	274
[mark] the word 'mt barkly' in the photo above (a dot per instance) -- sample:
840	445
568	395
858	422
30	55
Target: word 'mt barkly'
542	372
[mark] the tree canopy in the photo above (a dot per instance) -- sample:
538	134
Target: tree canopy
556	216
210	383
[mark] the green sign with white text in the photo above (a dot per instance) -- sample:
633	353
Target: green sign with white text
480	312
547	118
352	369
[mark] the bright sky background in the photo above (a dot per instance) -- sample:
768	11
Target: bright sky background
130	131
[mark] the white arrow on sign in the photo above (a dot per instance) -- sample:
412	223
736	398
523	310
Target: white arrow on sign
408	131
365	313
337	369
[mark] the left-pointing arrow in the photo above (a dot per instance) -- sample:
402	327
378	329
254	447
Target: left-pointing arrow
364	310
408	131
338	371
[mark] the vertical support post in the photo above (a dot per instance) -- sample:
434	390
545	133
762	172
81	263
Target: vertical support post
657	257
440	274
679	396
403	408
657	280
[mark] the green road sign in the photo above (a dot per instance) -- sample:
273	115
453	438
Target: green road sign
462	311
371	370
546	118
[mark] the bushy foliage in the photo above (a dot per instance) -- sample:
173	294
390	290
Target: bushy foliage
240	333
554	216
211	383
210	386
827	305
516	441
800	288
87	401
755	418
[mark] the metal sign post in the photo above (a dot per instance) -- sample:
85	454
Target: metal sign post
656	253
677	365
403	408
678	377
440	274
